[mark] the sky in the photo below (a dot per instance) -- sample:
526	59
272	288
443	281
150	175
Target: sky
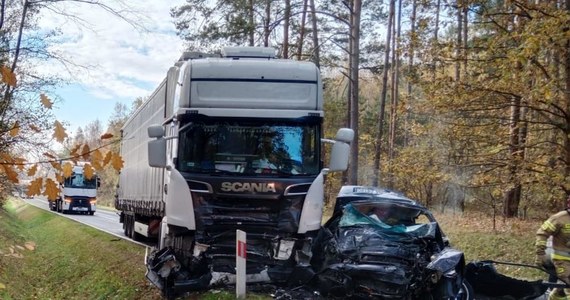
113	61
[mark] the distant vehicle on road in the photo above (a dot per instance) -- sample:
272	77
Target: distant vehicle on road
77	194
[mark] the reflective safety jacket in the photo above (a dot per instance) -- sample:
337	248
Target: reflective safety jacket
557	226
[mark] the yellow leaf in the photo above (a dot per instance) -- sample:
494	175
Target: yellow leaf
15	129
73	151
35	187
96	155
35	128
85	152
59	132
117	162
10	173
30	246
88	171
8	77
108	157
106	136
45	101
97	165
19	163
51	189
32	171
55	165
59	178
67	169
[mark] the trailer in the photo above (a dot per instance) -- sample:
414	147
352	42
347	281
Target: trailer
228	142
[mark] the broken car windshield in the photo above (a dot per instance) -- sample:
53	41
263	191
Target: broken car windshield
385	217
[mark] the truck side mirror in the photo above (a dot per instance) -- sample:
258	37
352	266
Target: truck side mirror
345	135
155	131
340	150
157	153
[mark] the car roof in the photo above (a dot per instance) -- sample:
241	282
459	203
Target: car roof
358	193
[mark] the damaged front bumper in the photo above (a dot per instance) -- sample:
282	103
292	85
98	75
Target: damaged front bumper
286	261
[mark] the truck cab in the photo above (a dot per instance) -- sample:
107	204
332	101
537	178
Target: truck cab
77	194
228	143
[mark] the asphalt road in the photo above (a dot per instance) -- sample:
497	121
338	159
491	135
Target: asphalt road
104	220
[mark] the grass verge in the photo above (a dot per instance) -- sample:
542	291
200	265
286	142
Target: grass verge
512	240
44	256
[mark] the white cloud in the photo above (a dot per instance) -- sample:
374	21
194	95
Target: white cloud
120	60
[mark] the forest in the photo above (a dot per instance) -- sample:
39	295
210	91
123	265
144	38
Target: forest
458	104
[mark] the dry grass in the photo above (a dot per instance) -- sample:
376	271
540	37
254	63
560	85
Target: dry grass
512	240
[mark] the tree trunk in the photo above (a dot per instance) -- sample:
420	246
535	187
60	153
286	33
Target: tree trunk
465	36
566	70
316	51
286	29
302	31
459	43
355	58
251	24
512	195
395	93
266	29
436	37
410	66
378	150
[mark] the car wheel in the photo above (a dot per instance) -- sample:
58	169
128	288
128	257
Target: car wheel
466	291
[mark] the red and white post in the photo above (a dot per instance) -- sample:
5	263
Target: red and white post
241	257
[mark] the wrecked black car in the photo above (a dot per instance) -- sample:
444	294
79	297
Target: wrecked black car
379	244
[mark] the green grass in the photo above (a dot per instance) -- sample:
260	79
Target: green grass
72	261
68	260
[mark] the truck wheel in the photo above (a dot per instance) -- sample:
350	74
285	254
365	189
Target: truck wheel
128	226
91	212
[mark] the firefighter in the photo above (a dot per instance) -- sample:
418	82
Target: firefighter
558	227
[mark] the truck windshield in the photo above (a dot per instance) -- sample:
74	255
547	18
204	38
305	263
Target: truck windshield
249	147
78	181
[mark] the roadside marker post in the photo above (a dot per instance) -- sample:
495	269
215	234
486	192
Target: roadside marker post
241	257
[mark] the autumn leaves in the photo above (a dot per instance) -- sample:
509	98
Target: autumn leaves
49	172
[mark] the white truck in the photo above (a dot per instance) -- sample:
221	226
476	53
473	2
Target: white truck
77	194
225	143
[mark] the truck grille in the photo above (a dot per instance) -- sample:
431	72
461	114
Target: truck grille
215	214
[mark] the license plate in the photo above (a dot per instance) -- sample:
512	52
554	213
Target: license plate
80	208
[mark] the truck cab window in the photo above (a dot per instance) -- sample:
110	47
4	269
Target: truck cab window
248	147
79	181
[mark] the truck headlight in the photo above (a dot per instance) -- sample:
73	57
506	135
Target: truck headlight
67	199
92	201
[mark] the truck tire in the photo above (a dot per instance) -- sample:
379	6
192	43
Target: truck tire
127	226
91	212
